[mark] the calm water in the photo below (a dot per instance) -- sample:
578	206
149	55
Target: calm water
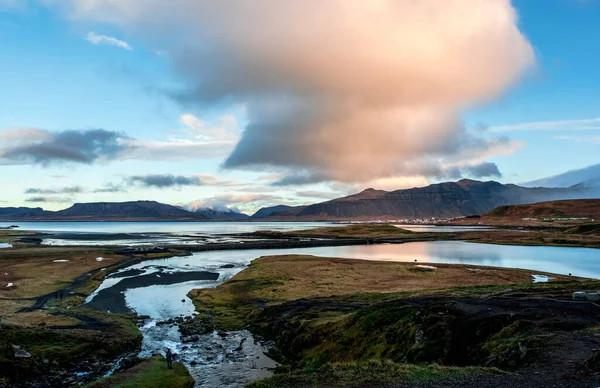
165	227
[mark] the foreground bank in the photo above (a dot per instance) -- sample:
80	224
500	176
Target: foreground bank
339	322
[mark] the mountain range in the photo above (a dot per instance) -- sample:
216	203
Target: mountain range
450	199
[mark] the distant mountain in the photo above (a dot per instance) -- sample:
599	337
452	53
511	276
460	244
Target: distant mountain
588	176
221	215
110	211
277	211
450	199
21	211
567	208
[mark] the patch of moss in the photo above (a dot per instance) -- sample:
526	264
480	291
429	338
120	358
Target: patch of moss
513	345
370	372
100	337
149	373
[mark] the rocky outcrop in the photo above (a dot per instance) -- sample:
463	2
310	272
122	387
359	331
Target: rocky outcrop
192	327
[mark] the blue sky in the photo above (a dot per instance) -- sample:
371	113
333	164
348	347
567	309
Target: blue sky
54	77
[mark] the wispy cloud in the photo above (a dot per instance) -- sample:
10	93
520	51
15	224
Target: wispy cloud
110	188
579	139
317	194
37	146
163	181
96	39
62	190
49	199
558	125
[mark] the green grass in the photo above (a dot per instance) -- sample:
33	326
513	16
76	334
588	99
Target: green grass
372	373
149	373
66	347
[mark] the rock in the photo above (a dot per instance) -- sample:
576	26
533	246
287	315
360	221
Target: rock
590	296
241	345
227	266
222	334
20	353
128	361
202	324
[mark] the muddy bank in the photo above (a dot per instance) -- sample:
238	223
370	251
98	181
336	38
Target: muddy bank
112	299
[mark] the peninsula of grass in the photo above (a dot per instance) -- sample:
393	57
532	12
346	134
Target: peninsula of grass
274	280
357	323
362	231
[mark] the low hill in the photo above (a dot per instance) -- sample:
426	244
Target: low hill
220	215
552	209
277	211
21	211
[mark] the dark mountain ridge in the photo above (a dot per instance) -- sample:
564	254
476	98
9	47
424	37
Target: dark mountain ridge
449	199
109	211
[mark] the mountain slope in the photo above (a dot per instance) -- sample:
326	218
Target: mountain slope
277	211
21	211
568	208
450	199
219	215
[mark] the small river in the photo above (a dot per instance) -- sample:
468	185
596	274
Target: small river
236	359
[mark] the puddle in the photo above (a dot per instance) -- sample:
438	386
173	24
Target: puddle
5	245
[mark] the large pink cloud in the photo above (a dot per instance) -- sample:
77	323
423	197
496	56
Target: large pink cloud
346	90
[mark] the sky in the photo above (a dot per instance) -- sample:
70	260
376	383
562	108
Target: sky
250	104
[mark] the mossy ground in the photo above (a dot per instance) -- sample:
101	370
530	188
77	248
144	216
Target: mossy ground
273	280
152	372
57	332
373	373
336	320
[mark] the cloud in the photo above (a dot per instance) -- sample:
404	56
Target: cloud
110	188
95	39
49	199
225	130
317	194
483	170
176	150
164	181
236	202
558	125
64	190
579	139
37	146
356	91
12	5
